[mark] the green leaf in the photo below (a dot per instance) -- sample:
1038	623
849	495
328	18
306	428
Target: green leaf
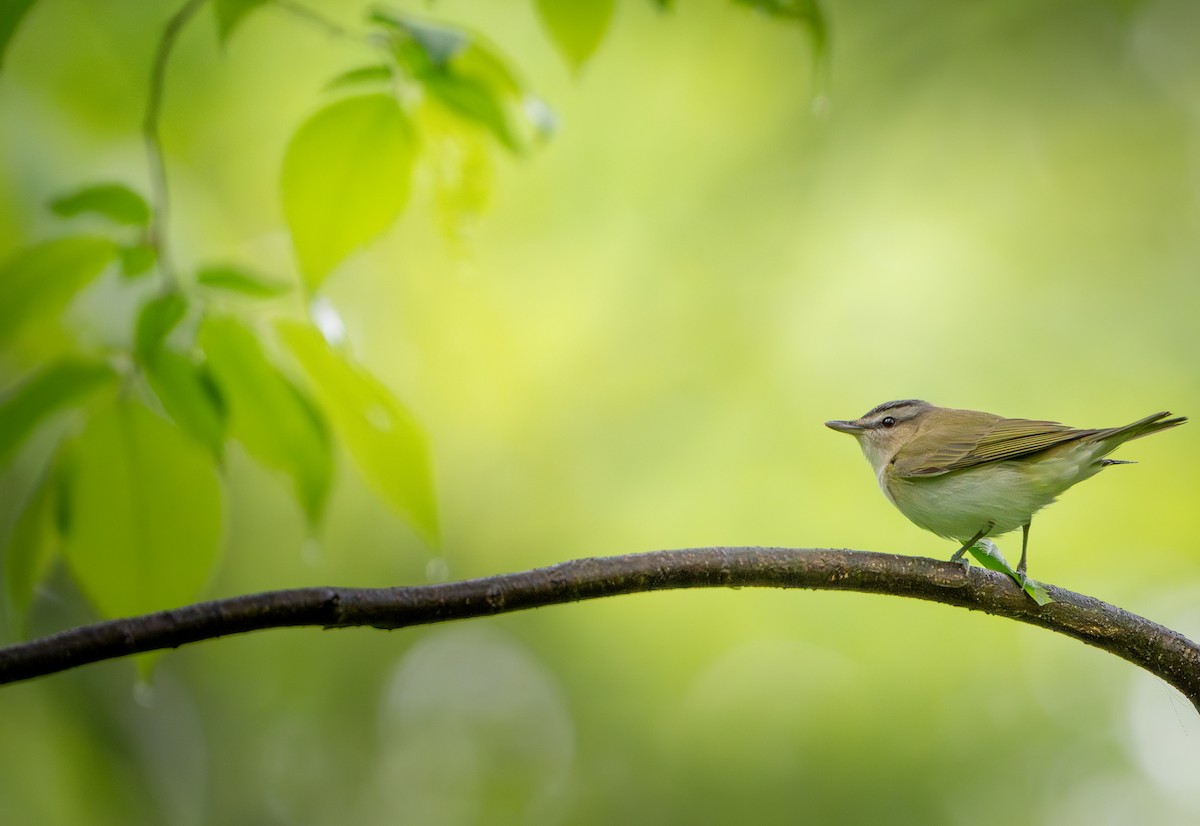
383	438
137	259
116	202
190	396
277	424
806	12
157	319
527	115
363	75
26	406
31	548
346	177
437	44
231	14
11	12
988	555
463	176
146	511
482	62
460	70
237	280
474	101
40	280
1036	590
576	26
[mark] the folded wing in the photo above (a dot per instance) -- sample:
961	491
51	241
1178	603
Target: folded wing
932	455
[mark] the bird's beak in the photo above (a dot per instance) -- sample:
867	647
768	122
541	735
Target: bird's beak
853	428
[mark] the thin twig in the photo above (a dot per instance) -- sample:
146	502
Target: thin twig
157	231
1159	650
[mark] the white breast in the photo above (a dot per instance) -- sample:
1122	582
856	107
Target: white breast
1007	494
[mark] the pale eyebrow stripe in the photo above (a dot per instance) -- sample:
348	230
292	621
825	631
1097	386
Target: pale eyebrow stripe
891	406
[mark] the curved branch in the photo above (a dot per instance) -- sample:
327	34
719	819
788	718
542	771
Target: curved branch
1159	650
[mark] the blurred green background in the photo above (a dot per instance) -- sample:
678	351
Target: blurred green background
993	205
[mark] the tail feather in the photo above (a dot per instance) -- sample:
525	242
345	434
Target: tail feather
1142	427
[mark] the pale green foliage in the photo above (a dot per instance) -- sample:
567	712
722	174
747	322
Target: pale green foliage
463	171
273	420
137	259
426	92
427	96
460	71
189	395
374	75
47	391
30	548
346	177
180	381
40	280
155	322
145	515
577	27
805	12
471	101
231	14
384	439
11	12
239	280
116	202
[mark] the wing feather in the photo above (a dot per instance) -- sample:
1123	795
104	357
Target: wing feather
929	454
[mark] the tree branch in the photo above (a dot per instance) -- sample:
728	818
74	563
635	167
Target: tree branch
1159	650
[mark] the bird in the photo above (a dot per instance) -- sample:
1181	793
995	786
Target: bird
965	474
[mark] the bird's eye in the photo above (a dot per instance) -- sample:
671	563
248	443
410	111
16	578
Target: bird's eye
887	421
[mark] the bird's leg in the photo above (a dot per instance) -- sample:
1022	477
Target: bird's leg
1024	545
970	543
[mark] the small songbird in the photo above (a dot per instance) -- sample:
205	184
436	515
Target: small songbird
964	474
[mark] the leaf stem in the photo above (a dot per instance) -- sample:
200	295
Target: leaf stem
156	233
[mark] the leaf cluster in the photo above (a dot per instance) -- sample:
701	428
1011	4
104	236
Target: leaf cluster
132	495
131	491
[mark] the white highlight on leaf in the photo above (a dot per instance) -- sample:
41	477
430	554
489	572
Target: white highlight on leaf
544	119
328	320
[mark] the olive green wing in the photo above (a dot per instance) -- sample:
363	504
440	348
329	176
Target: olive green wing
932	454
